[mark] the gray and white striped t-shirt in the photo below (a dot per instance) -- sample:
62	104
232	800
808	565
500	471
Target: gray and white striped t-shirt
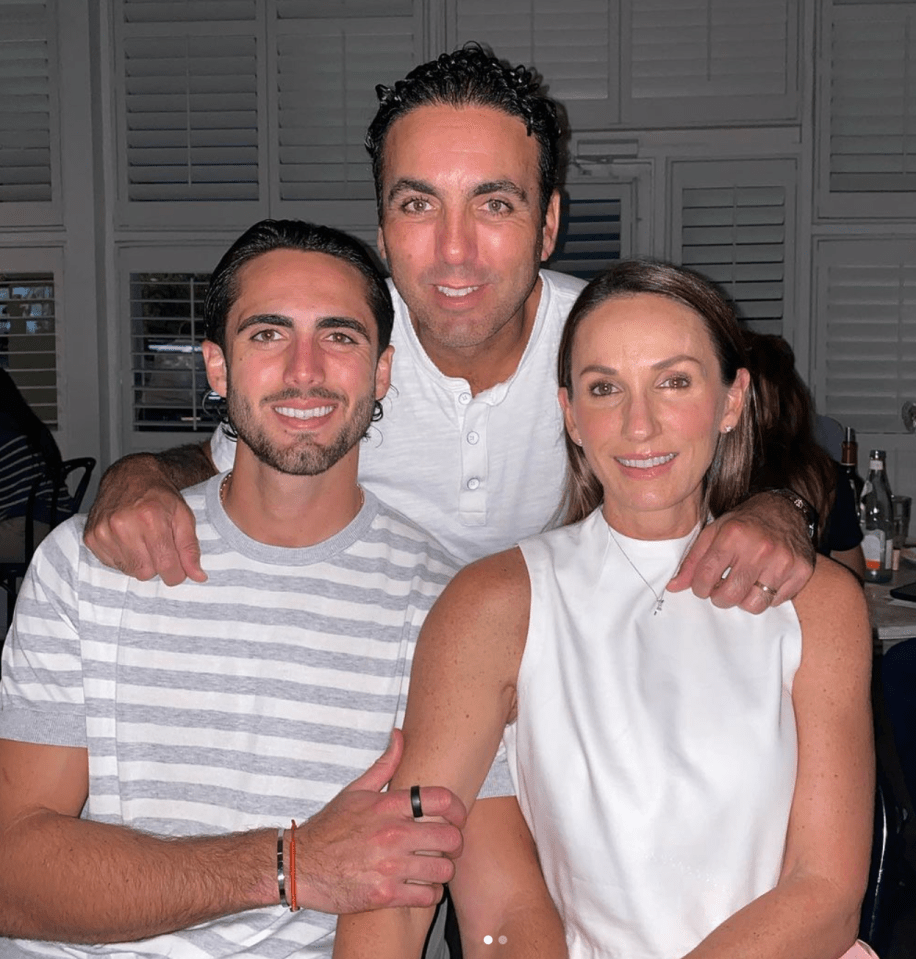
238	703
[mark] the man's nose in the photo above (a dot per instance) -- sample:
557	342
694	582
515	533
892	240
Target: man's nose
304	362
457	238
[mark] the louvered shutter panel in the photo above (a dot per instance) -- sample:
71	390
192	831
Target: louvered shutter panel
686	62
868	145
190	111
594	217
326	72
28	339
28	106
735	223
169	377
866	331
574	45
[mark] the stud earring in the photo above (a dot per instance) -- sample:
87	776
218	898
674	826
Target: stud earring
728	429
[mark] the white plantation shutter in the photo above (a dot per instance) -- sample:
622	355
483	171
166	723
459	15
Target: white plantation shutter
705	61
574	45
595	218
190	111
28	108
190	147
866	331
868	142
28	338
326	72
735	223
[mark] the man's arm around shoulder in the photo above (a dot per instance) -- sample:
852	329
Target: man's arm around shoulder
140	524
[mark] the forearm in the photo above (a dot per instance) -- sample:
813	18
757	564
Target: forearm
180	467
71	880
806	918
187	465
383	934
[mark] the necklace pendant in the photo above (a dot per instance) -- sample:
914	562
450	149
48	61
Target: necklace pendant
658	605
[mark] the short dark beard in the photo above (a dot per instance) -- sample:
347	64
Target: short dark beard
307	458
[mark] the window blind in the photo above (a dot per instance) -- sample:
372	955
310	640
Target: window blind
733	59
872	98
28	341
590	238
735	225
27	101
866	331
167	367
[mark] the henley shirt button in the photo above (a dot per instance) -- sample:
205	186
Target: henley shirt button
473	438
473	482
464	398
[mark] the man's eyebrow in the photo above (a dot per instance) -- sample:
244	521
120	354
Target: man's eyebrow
502	186
344	322
407	184
268	319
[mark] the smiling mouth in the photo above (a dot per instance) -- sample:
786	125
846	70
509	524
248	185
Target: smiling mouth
452	291
647	463
304	414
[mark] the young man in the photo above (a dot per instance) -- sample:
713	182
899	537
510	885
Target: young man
466	158
157	743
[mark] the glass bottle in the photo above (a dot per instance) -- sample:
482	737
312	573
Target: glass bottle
849	461
877	518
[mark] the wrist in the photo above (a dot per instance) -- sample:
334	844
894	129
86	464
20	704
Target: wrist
802	506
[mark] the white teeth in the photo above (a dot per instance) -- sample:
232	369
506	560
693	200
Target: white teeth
449	291
304	414
646	464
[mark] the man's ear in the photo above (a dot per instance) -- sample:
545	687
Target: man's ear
215	362
383	373
551	227
380	243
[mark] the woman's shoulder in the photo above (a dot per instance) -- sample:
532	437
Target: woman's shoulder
502	574
832	609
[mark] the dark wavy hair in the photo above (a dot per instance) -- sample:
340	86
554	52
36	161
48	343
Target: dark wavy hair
473	76
268	235
726	481
787	454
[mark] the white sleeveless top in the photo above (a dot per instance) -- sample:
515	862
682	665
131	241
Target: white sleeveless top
654	755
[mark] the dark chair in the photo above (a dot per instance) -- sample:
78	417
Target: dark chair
891	880
12	573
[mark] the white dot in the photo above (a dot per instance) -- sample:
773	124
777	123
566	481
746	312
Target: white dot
487	940
503	940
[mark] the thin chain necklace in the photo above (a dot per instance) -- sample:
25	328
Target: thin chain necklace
659	597
222	488
225	483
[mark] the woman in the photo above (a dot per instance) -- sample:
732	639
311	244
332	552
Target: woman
789	455
697	781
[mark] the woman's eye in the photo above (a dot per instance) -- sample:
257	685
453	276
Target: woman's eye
677	381
601	389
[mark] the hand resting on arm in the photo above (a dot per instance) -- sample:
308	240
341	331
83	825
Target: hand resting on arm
74	880
139	522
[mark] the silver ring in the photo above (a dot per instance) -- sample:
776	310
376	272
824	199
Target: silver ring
766	590
415	804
